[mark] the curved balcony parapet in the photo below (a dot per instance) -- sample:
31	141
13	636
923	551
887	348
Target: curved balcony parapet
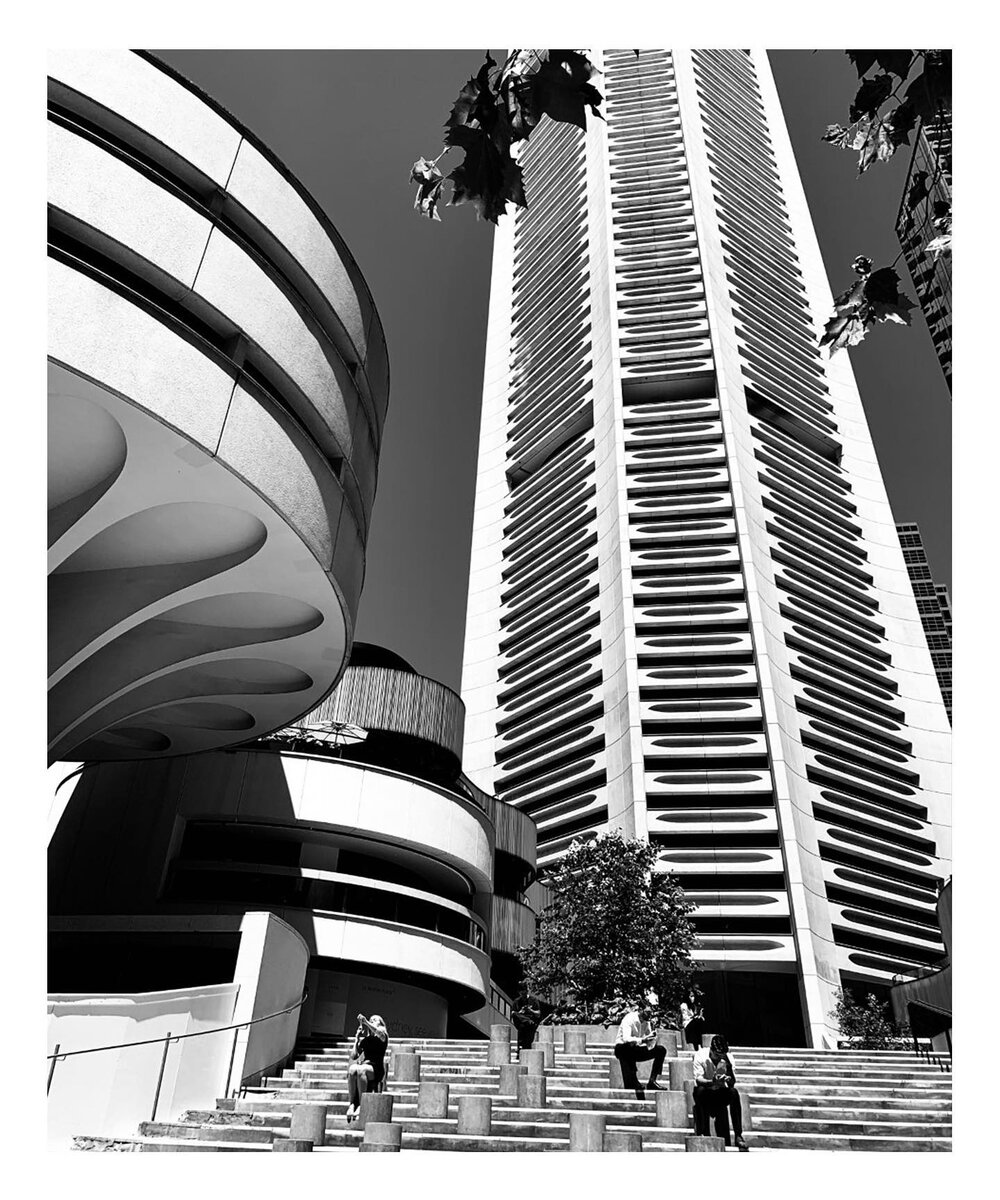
390	700
218	382
175	127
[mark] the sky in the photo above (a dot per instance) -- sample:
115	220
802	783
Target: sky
350	123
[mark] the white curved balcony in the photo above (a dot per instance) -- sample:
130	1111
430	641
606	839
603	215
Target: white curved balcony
217	389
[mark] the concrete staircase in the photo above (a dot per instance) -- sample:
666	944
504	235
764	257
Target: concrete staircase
798	1099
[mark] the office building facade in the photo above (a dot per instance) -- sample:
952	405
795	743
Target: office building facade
933	604
930	171
689	617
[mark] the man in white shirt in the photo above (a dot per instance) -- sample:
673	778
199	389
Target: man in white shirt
715	1090
634	1044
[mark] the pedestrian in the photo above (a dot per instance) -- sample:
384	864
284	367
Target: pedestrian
715	1090
692	1021
635	1044
367	1066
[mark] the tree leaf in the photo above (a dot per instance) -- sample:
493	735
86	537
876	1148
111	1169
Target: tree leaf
474	101
874	298
839	136
429	182
897	62
488	175
872	94
876	145
864	60
561	87
901	121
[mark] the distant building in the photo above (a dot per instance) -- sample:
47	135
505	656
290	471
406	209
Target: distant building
689	618
930	169
933	604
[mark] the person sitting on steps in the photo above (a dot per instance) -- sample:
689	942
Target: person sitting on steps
715	1090
634	1044
367	1069
526	1016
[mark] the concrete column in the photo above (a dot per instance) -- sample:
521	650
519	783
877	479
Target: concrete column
615	1079
575	1041
671	1110
531	1091
375	1106
534	1061
545	1035
620	1140
509	1074
706	1041
689	1096
382	1137
704	1145
498	1051
432	1100
406	1068
745	1110
475	1114
672	1040
549	1054
680	1069
292	1145
586	1131
309	1122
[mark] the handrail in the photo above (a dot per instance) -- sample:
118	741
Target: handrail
59	1054
177	1037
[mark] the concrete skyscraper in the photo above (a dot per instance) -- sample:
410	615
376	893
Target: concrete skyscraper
689	615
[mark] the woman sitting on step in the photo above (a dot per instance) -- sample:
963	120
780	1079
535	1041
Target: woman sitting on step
367	1069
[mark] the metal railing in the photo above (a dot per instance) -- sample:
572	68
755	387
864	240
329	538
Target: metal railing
59	1054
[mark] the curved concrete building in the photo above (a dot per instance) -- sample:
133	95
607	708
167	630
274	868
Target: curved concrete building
218	382
378	852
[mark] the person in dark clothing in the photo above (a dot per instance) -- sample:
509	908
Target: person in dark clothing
715	1090
634	1044
367	1068
692	1021
526	1016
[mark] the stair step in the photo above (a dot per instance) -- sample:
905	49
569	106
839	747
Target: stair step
799	1098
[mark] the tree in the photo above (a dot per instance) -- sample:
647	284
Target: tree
882	117
867	1025
615	931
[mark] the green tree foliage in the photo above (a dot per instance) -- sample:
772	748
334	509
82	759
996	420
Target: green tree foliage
867	1024
615	930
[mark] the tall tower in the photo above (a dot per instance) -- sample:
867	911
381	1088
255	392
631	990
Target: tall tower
689	616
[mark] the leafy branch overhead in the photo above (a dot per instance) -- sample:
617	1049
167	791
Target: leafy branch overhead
873	299
883	116
896	90
495	111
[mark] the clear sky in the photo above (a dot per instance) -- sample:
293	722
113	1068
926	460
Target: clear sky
350	123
